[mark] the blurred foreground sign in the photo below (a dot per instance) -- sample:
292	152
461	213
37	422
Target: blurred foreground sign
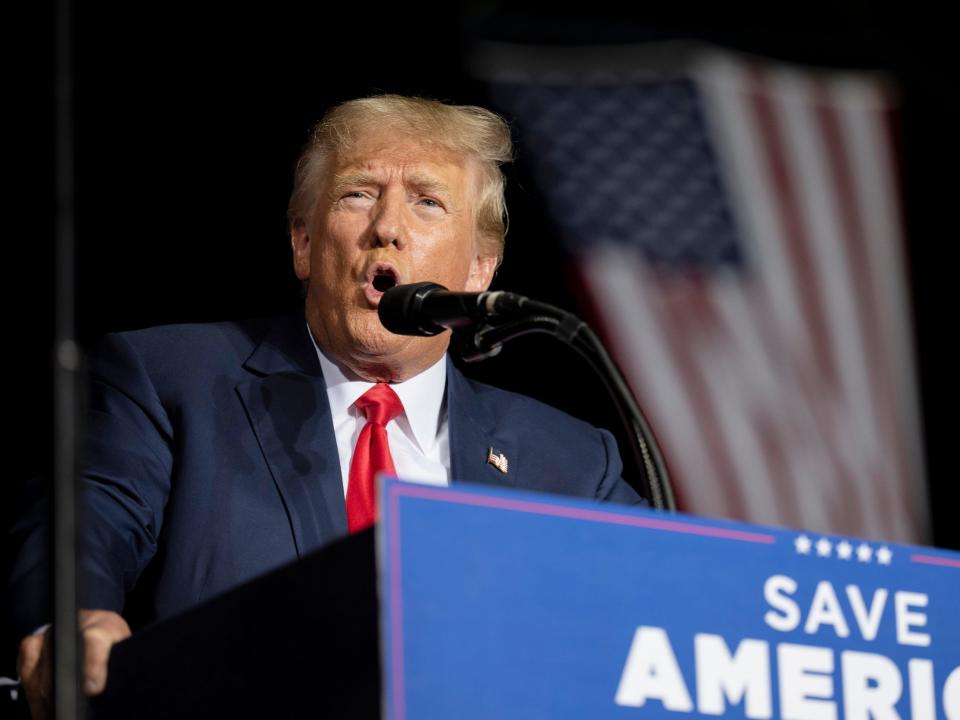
500	604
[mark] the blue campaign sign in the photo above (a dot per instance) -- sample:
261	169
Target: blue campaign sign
502	604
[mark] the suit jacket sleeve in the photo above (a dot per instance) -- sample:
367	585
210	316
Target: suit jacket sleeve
128	463
612	487
124	485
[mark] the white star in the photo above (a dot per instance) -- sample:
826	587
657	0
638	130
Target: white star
864	553
844	550
884	555
824	547
803	545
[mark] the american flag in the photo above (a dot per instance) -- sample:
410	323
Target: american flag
736	226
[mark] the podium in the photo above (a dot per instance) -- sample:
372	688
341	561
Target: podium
473	602
299	642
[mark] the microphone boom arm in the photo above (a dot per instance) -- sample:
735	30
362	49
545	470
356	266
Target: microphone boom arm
538	317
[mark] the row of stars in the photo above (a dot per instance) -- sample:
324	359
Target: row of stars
843	549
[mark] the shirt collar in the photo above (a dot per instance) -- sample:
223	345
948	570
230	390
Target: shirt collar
422	395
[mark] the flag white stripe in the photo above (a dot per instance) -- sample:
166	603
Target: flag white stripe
865	132
723	91
691	321
884	464
740	395
856	439
726	93
719	84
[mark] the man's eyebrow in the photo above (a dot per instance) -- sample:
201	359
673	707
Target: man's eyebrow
427	184
422	182
353	179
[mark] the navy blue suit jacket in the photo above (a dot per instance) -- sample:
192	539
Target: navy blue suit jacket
211	458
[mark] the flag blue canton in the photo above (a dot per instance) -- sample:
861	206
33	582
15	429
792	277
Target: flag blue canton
629	164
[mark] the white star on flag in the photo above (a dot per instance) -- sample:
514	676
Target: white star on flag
844	550
824	547
884	555
803	545
864	553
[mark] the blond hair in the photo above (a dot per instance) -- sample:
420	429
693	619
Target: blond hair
466	130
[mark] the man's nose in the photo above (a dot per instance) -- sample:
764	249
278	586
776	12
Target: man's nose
390	222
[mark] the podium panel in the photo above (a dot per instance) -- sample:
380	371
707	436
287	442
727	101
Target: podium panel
501	604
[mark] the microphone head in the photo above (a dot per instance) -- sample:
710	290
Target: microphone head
399	309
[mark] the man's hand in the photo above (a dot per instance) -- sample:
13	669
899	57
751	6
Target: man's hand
100	629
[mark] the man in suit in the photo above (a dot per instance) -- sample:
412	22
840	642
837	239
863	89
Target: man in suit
218	452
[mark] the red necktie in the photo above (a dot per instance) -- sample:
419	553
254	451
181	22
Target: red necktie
380	405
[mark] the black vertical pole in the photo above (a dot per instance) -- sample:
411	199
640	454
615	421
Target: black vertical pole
68	699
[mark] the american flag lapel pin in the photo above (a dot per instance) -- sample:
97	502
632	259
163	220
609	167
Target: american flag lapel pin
498	460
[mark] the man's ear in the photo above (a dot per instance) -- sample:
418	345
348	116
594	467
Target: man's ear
300	243
481	272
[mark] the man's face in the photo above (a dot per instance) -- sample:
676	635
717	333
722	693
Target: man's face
391	210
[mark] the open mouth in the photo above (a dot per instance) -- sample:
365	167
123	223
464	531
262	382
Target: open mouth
380	278
384	281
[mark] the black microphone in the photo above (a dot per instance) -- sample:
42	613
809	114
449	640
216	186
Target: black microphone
427	309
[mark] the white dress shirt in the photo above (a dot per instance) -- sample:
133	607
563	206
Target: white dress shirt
418	437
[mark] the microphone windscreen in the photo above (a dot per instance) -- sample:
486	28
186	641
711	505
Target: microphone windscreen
399	309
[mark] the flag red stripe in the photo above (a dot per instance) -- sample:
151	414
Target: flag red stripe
680	328
796	233
798	243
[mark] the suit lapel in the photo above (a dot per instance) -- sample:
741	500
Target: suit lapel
286	402
472	428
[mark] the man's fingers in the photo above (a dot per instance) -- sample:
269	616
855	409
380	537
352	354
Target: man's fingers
29	656
33	666
101	629
96	653
44	673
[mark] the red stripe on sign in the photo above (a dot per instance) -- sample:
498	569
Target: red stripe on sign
659	521
934	560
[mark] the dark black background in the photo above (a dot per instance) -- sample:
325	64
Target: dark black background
188	119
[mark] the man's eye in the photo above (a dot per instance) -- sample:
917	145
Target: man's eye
355	198
430	202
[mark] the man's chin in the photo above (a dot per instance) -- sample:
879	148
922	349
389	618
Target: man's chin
383	345
402	355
